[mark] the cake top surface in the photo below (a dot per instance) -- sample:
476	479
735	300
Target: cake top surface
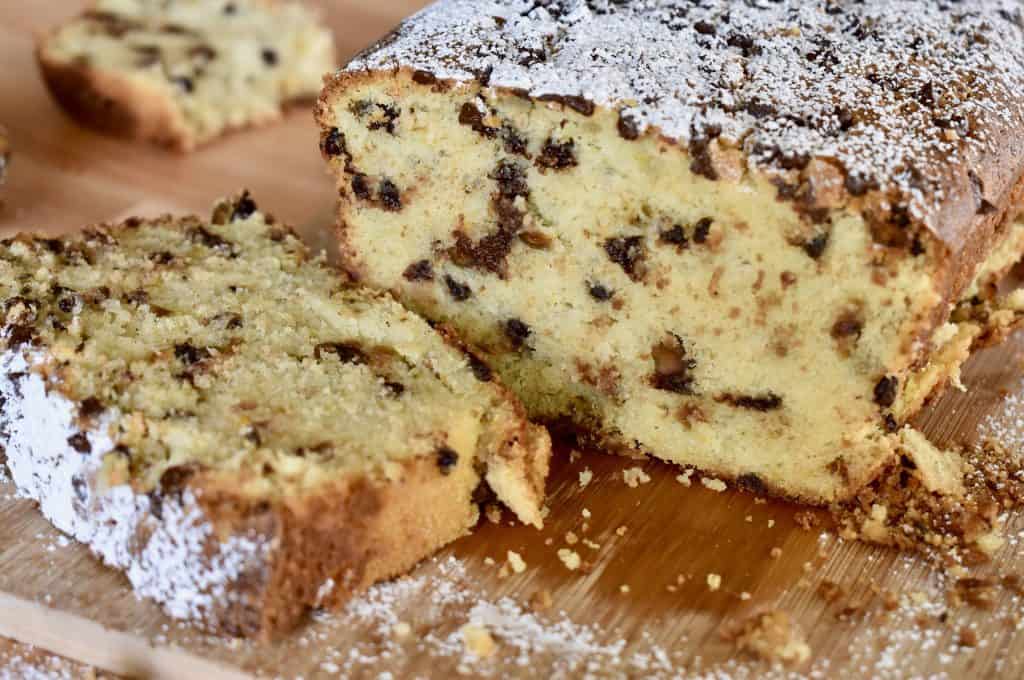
921	100
186	336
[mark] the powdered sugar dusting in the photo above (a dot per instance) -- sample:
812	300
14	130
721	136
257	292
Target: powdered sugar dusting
896	92
1006	425
180	564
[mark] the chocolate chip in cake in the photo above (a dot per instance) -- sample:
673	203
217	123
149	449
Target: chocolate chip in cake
447	459
675	236
481	371
389	195
244	207
184	83
890	423
80	442
628	253
848	324
574	102
347	353
702	229
395	388
162	258
886	391
672	368
815	247
421	77
511	179
517	332
89	408
422	270
459	291
752	483
472	117
628	126
557	155
333	145
189	355
765	402
361	186
20	311
269	56
600	292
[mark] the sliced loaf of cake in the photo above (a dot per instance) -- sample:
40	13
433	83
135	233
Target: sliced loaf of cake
219	415
750	237
183	72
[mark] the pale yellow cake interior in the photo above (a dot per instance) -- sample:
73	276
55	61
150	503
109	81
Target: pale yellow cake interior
774	353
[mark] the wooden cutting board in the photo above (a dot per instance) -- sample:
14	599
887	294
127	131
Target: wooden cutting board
640	605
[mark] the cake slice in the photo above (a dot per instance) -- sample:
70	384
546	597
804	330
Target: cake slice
219	415
183	72
752	238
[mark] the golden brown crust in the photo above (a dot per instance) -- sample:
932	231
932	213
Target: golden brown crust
348	536
114	105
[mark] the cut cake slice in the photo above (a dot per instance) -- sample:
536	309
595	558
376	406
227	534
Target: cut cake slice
219	415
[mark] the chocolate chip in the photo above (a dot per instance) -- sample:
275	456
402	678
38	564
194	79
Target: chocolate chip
187	354
360	186
395	388
599	292
230	8
574	102
472	117
704	28
347	353
186	84
847	325
163	257
419	271
447	459
890	423
423	77
702	229
333	144
675	236
557	155
815	247
389	195
269	56
886	391
80	442
459	291
628	126
481	371
244	207
766	402
517	332
511	179
90	408
628	253
751	483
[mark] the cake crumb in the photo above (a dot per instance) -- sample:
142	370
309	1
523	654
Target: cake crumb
968	638
771	523
489	561
621	531
478	640
401	630
684	477
593	545
635	476
571	538
776	553
745	596
714	582
716	485
773	636
570	558
516	561
585	513
574	455
624	588
585	477
493	513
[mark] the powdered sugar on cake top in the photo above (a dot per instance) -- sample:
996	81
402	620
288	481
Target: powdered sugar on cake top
896	92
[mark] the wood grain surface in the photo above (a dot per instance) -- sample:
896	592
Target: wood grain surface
642	601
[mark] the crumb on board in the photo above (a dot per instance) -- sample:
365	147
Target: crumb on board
516	561
585	477
478	640
570	558
541	601
493	513
714	582
684	477
621	531
716	485
773	636
571	538
586	513
635	476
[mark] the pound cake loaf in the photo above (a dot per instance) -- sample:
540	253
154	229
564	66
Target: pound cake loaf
244	434
747	237
183	72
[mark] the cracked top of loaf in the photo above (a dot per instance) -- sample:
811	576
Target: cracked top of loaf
917	103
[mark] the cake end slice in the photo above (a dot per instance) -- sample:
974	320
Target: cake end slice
216	413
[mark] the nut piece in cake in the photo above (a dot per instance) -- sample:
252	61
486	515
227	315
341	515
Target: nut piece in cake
183	73
756	217
218	414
